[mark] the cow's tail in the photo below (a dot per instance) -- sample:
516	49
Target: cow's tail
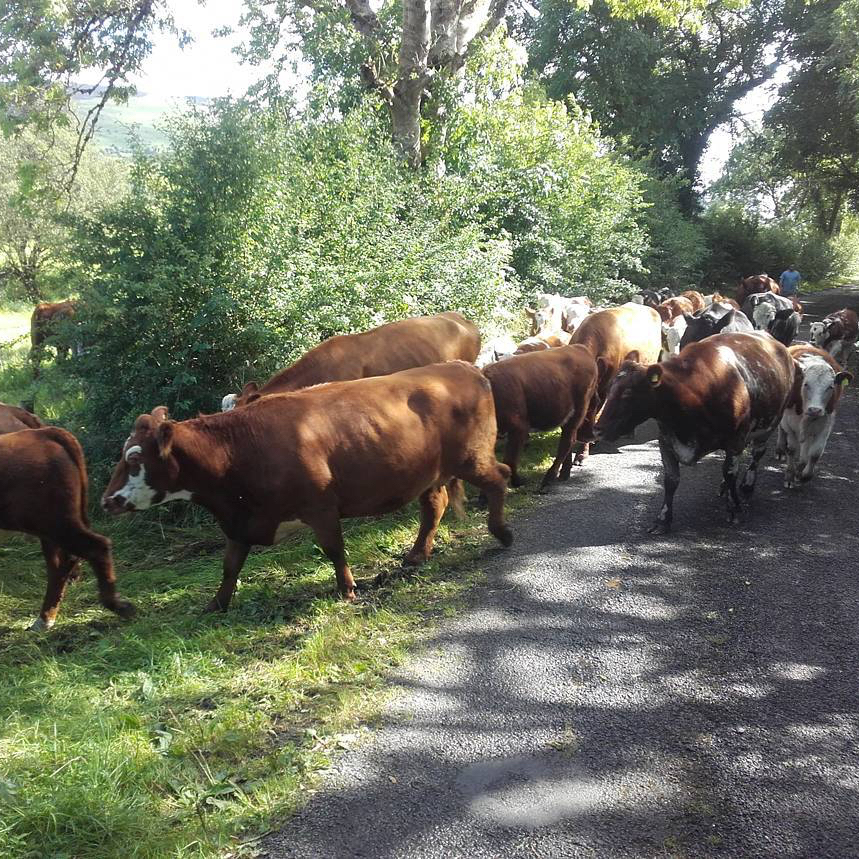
456	497
75	453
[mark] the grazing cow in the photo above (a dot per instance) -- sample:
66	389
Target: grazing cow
541	391
44	493
722	393
717	319
553	313
13	419
612	335
332	451
810	412
756	283
380	351
837	334
45	325
671	308
697	299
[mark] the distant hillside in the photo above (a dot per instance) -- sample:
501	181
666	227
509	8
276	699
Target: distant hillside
141	116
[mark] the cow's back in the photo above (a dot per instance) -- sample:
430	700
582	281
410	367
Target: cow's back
13	418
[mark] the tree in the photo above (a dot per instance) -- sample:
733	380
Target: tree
33	203
45	48
662	87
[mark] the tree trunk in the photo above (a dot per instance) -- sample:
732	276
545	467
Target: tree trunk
412	76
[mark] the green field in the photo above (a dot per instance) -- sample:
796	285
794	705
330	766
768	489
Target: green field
183	734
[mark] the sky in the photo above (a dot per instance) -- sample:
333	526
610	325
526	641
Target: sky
207	67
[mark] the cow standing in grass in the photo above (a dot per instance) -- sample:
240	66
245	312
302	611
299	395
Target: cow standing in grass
319	455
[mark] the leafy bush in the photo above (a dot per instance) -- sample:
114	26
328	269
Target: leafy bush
248	242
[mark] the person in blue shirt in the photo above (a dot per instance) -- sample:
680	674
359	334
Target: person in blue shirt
789	281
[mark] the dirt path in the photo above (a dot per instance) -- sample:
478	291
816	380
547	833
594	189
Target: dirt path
611	694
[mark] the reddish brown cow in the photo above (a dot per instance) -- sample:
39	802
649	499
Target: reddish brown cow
755	283
612	335
671	308
722	393
44	493
45	324
13	419
380	351
543	390
696	298
318	455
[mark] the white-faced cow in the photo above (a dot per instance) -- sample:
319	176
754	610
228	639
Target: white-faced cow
837	334
540	391
319	455
553	313
810	413
44	493
613	335
389	348
724	393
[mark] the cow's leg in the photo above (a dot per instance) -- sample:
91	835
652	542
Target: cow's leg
671	480
781	444
750	478
433	504
235	555
563	455
59	566
729	485
329	535
96	549
491	478
792	450
812	444
583	451
517	435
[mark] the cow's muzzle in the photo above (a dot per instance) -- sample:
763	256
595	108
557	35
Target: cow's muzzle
116	504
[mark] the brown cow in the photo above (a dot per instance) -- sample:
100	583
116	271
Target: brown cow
755	283
44	493
672	308
722	393
318	455
612	335
44	326
380	351
13	418
543	390
697	299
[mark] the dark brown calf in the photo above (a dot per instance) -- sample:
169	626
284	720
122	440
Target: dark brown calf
44	493
722	393
319	455
415	342
45	324
540	391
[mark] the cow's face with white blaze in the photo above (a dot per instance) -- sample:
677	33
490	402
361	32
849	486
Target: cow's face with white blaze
763	315
818	333
820	388
147	473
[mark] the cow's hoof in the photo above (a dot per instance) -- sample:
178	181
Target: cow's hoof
565	474
659	527
124	609
747	489
516	481
780	455
414	559
214	607
39	625
504	536
789	484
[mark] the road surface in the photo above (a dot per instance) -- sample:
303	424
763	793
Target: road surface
611	694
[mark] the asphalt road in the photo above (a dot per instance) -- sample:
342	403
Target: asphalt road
612	694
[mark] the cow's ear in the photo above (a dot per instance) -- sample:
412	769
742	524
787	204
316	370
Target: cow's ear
160	413
248	389
795	398
843	378
689	317
654	375
727	319
633	356
164	438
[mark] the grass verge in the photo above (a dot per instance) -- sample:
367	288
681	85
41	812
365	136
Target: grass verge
186	735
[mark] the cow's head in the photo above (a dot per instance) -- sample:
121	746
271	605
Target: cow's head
763	315
630	399
148	472
248	394
818	332
817	387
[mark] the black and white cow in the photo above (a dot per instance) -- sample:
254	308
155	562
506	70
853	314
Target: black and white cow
717	319
810	412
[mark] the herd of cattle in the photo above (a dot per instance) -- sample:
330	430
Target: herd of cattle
365	423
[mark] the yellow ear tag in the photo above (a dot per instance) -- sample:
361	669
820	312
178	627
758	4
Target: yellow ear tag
845	383
654	378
